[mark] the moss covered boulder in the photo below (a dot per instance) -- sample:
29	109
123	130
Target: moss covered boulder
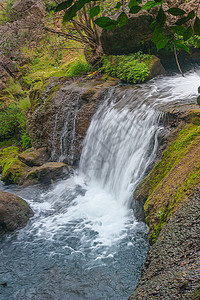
48	172
13	170
34	158
14	212
133	68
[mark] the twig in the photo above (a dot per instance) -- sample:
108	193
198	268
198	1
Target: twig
177	62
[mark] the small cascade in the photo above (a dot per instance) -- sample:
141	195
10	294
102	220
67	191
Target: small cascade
84	241
63	134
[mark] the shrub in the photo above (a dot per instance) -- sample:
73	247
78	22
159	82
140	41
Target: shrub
78	67
12	121
26	140
132	68
7	14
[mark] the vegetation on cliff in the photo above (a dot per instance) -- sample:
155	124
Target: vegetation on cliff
173	179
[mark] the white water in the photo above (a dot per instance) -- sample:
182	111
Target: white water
84	241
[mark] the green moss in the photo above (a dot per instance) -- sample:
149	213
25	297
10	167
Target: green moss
12	168
133	68
173	179
173	155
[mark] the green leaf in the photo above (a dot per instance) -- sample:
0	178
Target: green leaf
191	15
197	26
135	9
188	33
153	24
161	17
118	5
175	11
180	44
159	38
94	11
149	5
182	21
106	23
178	30
70	14
132	3
122	19
63	5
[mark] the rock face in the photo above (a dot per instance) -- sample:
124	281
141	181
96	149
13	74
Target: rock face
14	212
132	37
170	194
48	172
172	268
62	120
34	158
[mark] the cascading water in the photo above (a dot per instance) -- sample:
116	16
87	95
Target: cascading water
84	241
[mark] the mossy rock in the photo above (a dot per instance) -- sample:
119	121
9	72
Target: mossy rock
14	212
133	68
172	180
48	172
34	158
13	170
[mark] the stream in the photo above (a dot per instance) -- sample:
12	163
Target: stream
84	241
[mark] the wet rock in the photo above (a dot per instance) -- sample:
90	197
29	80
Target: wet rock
48	172
62	120
34	158
14	212
13	170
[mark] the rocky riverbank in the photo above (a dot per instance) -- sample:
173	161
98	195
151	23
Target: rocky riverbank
170	194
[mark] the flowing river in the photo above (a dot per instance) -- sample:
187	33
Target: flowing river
84	241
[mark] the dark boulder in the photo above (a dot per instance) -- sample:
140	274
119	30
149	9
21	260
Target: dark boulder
135	36
14	212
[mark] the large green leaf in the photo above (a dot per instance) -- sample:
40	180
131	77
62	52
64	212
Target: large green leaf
188	33
94	11
175	11
132	3
70	14
178	30
106	23
182	21
63	5
149	5
197	26
122	19
191	15
118	5
159	38
161	17
135	9
179	44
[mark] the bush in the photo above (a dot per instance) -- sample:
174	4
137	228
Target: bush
132	68
78	67
12	121
7	14
26	140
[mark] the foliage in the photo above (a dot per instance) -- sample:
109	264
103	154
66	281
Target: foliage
187	23
132	68
26	140
11	120
78	67
7	14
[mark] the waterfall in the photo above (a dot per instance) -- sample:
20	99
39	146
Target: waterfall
84	241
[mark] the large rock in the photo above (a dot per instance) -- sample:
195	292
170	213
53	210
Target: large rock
48	172
134	36
14	212
34	158
62	120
